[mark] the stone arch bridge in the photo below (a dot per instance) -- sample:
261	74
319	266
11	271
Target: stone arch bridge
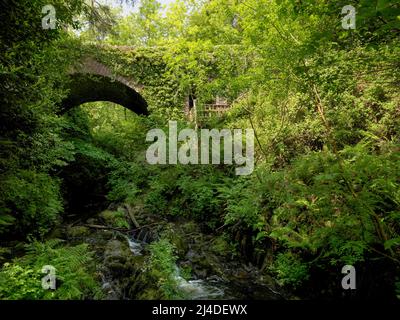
131	77
91	80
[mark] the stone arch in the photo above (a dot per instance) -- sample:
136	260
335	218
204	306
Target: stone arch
93	81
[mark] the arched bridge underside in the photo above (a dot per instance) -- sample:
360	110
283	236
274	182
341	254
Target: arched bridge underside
95	82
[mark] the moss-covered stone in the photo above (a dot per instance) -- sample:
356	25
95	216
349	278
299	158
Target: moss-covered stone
115	219
180	243
190	227
77	231
220	246
118	258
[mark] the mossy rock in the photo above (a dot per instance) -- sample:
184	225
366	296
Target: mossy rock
144	286
77	231
220	246
91	221
118	259
180	243
105	235
115	219
190	227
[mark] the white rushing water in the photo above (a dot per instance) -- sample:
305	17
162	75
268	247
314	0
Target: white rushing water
136	247
192	289
197	289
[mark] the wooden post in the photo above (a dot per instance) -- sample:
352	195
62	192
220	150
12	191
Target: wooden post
195	113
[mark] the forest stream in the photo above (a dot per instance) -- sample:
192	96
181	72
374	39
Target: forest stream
187	149
213	274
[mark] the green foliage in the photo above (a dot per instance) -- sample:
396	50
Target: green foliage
162	266
198	191
241	205
126	182
33	71
30	203
17	282
185	191
323	102
343	207
289	270
21	279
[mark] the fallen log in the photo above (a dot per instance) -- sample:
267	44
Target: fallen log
97	226
132	216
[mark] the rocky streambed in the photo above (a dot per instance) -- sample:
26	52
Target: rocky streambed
206	266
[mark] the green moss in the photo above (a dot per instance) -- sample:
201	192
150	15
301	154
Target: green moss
77	231
190	227
221	246
116	219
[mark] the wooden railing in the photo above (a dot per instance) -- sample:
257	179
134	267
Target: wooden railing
213	109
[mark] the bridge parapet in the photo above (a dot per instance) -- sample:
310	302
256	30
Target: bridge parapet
89	65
